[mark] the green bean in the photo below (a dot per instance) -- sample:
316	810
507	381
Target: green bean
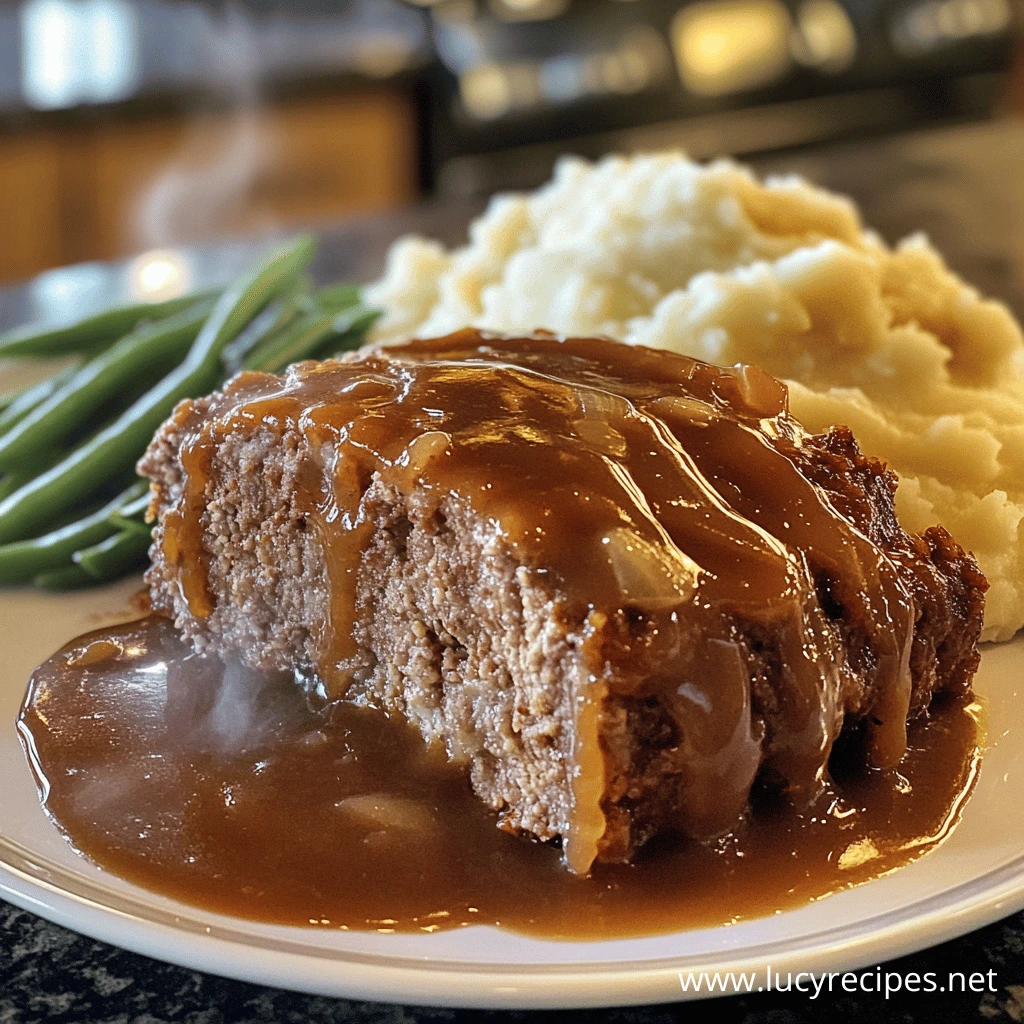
134	510
135	359
253	292
85	334
338	296
25	402
70	577
312	334
22	560
115	556
116	447
9	484
354	324
13	481
278	315
337	345
130	518
356	320
126	524
298	299
292	344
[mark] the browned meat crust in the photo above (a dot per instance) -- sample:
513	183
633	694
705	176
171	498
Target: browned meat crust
949	596
453	634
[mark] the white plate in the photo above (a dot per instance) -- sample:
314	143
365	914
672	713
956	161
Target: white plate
976	877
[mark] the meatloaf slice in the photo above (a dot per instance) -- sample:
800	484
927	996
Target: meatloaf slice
619	585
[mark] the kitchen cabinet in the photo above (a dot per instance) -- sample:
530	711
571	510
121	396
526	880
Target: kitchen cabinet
104	188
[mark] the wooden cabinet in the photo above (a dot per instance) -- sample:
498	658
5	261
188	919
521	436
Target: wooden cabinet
104	190
31	205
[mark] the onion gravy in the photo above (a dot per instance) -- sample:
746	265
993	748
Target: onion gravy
251	796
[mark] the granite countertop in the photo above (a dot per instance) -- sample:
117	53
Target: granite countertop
53	975
965	187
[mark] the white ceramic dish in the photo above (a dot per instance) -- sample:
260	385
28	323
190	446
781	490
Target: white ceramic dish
975	877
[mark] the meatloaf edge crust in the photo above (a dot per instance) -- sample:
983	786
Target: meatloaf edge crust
479	654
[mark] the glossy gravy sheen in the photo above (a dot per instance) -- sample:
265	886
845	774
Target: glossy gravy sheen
251	796
639	483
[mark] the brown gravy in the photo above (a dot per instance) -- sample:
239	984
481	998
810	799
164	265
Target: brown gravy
665	506
253	797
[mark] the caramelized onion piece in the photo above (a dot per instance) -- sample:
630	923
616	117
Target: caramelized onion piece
651	576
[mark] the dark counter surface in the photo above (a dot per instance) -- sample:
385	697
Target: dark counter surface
965	188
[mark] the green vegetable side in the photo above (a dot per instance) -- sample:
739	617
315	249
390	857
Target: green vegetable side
72	511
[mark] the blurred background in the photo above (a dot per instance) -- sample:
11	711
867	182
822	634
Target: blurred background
131	125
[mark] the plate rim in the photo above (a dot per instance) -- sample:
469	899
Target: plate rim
942	916
36	879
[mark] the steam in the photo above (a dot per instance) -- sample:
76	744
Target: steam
234	721
221	153
225	707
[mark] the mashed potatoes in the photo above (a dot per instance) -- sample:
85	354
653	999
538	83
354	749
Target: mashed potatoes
708	261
